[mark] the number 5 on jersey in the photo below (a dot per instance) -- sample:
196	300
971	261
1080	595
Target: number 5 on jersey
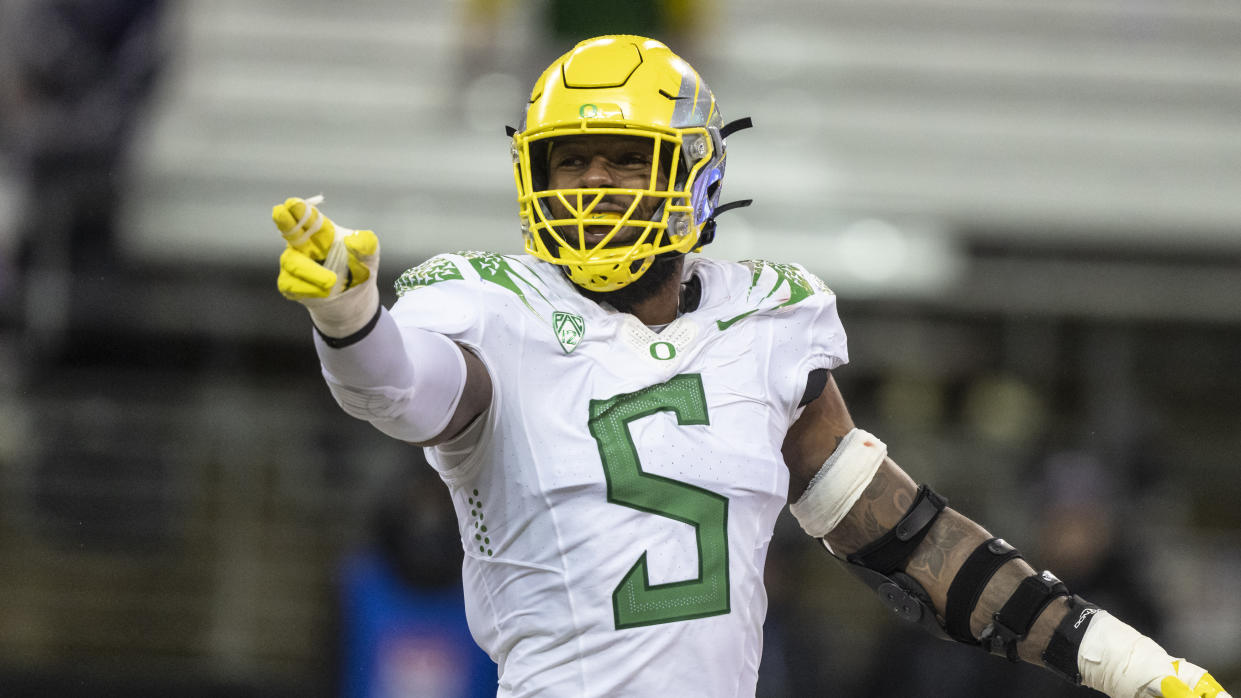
636	601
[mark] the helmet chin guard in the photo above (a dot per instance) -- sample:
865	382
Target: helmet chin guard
626	86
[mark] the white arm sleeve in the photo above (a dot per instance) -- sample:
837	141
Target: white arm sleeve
405	381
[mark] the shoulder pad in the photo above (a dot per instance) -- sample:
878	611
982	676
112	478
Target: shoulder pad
480	267
441	267
774	285
792	281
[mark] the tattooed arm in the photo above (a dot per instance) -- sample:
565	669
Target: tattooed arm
848	491
885	500
940	555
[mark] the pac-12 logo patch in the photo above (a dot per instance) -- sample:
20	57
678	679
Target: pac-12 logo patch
569	329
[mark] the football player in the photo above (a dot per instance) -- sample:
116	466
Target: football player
620	422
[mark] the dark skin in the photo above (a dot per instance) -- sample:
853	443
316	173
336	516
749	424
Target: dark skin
613	161
885	500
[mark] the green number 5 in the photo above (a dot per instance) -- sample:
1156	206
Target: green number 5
636	601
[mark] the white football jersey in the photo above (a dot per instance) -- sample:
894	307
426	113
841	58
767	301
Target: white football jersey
617	500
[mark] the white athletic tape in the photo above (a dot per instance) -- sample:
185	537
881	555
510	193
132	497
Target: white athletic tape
839	483
310	211
337	258
1119	661
345	313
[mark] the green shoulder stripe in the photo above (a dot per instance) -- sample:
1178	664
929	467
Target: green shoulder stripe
802	284
774	277
490	267
434	270
496	269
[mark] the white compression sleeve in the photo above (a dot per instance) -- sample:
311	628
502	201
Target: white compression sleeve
405	381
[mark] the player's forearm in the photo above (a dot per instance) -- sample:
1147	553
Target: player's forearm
938	560
407	383
936	567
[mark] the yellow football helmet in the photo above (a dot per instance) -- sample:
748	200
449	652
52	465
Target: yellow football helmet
621	86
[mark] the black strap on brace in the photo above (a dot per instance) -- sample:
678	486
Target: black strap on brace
967	586
889	553
1061	653
1014	620
877	563
707	234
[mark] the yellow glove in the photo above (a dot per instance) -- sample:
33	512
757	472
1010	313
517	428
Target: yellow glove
328	268
318	251
1177	685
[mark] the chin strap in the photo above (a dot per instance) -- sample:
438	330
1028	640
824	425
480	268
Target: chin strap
708	228
734	126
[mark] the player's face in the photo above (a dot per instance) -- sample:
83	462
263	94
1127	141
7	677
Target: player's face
606	162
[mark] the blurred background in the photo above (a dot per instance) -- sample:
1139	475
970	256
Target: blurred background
1030	210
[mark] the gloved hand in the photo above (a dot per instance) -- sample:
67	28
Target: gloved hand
328	268
1120	662
1186	680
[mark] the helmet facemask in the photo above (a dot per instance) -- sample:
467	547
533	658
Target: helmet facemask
606	237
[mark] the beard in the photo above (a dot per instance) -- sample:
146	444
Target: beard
666	269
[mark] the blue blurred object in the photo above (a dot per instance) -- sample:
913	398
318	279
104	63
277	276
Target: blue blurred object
402	641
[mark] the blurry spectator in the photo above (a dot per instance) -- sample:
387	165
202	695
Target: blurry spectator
1082	537
77	75
404	626
571	21
81	72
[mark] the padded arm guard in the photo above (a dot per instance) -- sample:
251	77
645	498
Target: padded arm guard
878	565
836	488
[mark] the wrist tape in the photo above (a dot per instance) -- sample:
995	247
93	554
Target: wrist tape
346	313
1118	660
